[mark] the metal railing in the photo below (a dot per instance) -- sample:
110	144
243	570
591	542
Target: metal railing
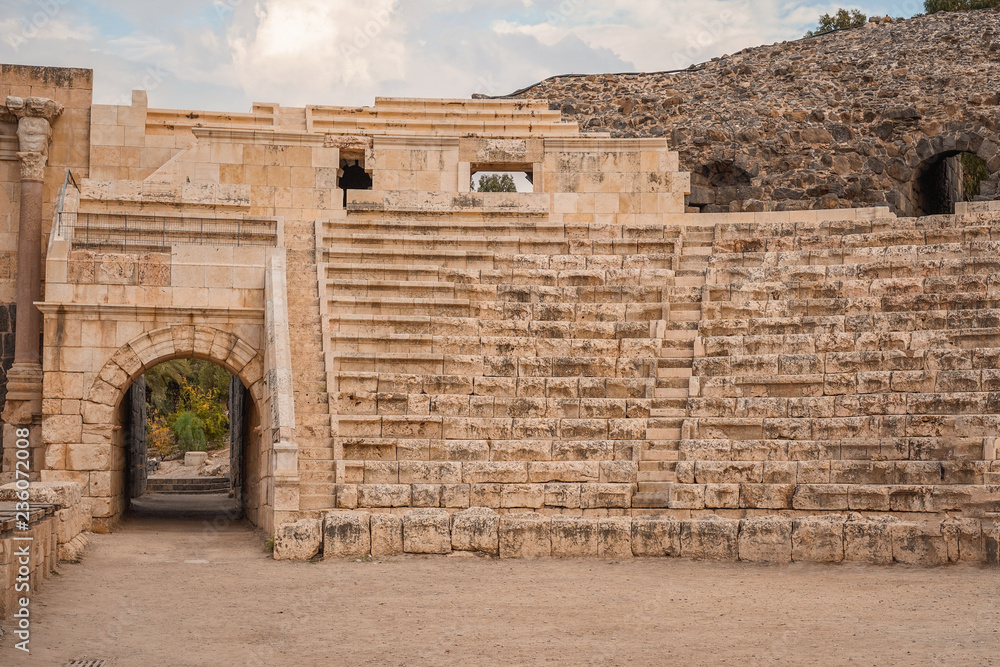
124	232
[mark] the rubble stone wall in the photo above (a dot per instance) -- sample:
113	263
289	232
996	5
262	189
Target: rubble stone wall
851	118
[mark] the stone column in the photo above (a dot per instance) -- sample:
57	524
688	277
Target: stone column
34	132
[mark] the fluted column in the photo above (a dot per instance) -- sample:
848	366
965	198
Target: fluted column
34	133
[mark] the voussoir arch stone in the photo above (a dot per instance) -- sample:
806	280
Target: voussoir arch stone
154	347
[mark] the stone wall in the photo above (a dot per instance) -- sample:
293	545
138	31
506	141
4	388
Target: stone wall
769	539
846	119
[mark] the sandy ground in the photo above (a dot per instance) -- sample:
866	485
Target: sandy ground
201	590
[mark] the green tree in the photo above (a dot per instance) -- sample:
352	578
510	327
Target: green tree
841	20
934	6
187	405
974	172
496	183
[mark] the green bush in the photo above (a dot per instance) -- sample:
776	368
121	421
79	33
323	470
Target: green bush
934	6
190	431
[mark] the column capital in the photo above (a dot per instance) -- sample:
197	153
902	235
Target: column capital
34	132
33	107
32	166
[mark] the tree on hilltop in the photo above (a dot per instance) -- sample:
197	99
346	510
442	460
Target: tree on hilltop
934	6
844	19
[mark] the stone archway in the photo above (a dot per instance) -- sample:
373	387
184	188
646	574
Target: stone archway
101	454
925	169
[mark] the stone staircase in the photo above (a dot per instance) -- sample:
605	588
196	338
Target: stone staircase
187	485
504	354
657	466
312	406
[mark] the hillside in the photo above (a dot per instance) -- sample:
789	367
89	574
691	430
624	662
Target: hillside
851	118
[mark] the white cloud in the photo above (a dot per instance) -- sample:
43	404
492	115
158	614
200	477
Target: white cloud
223	54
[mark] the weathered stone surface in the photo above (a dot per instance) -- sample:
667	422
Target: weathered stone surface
476	529
301	540
818	539
574	536
614	537
766	539
868	541
387	534
711	538
525	535
346	534
427	531
656	536
918	544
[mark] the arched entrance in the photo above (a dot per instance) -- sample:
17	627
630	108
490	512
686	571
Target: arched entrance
948	170
189	429
107	412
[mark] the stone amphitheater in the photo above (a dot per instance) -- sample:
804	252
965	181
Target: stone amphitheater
640	356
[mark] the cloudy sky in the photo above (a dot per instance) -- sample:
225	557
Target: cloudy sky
226	54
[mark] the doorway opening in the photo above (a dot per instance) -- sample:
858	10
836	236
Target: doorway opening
191	441
947	179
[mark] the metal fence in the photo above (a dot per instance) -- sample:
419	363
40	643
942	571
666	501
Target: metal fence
156	233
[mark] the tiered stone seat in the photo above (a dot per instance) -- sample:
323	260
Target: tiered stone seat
848	365
502	359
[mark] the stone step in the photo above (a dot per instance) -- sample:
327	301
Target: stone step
649	499
199	485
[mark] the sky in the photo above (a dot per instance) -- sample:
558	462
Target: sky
227	54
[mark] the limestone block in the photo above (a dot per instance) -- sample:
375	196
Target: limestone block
722	496
868	541
522	496
476	529
918	544
656	536
298	541
766	539
387	535
525	536
384	495
818	539
619	472
820	497
605	495
965	537
614	537
425	495
346	534
574	536
455	495
64	494
710	537
484	495
766	496
687	496
346	495
427	531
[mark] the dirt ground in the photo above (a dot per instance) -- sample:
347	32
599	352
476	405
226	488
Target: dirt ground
201	590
